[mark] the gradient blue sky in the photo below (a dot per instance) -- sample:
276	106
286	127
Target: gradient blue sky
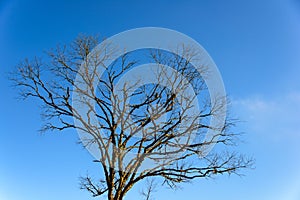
255	44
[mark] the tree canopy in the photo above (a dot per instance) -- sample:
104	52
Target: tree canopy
136	130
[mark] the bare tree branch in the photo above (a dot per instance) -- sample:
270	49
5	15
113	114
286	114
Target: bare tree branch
136	124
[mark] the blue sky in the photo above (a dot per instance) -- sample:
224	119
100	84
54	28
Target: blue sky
255	44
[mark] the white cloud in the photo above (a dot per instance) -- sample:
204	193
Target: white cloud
278	118
274	123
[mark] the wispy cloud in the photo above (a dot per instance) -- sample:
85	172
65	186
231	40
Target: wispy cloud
278	117
274	126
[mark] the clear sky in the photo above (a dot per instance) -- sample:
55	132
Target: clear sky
255	44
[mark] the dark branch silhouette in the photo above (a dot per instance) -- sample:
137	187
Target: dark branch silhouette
149	124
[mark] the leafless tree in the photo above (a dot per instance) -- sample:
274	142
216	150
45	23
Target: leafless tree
150	189
141	131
